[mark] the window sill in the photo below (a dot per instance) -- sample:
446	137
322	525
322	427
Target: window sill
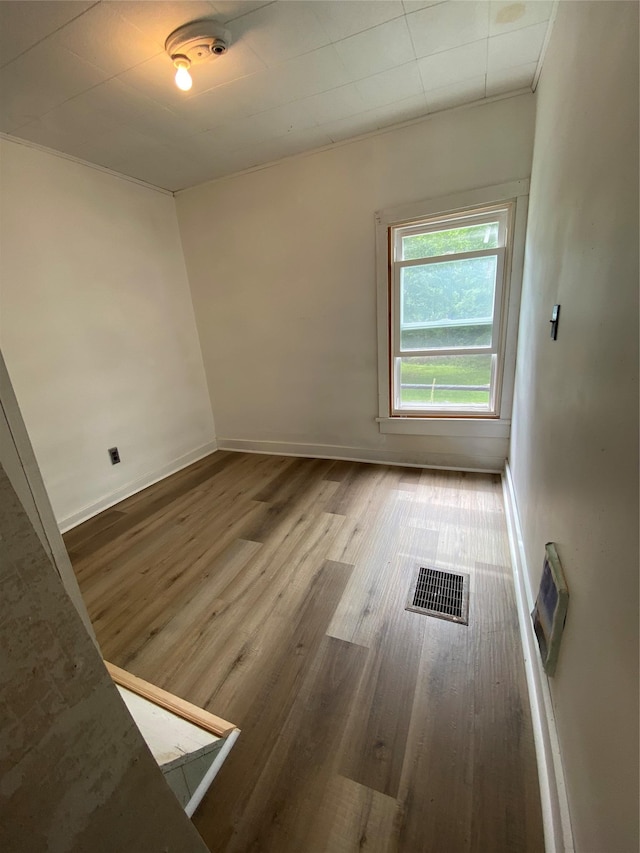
463	427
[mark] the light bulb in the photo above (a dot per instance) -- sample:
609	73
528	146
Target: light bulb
183	78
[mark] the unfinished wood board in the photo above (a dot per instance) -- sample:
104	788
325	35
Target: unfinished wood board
271	590
169	737
188	755
164	699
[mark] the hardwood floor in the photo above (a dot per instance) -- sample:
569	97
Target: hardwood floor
271	591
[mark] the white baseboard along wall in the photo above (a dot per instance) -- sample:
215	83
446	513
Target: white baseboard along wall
448	461
553	795
135	486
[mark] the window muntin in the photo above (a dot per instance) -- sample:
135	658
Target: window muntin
447	287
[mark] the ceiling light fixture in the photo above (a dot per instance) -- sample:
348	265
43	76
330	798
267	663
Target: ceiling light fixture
194	43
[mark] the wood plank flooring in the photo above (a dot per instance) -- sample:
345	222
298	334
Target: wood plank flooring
271	591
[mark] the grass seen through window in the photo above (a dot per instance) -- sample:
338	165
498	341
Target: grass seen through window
433	371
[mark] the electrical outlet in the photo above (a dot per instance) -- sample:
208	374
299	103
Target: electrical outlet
114	455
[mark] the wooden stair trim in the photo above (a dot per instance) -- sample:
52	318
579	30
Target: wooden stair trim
197	716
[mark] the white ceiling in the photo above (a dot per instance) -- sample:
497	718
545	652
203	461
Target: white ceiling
91	79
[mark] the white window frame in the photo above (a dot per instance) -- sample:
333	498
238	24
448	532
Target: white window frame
447	421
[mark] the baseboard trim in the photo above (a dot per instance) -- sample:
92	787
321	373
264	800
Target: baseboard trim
138	485
558	836
410	459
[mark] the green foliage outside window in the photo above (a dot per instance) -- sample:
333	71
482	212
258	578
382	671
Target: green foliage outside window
449	291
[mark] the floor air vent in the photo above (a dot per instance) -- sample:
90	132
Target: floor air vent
441	594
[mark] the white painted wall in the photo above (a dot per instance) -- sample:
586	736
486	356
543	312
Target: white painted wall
97	329
19	462
281	263
575	433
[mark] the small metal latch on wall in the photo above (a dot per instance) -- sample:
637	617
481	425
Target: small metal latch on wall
555	318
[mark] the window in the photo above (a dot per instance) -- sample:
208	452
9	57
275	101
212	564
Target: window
447	286
447	301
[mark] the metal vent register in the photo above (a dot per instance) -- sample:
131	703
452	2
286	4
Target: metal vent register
441	594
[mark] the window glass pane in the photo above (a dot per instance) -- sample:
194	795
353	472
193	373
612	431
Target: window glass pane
470	238
448	304
445	380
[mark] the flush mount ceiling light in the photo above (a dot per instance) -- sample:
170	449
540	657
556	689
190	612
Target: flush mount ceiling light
194	43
